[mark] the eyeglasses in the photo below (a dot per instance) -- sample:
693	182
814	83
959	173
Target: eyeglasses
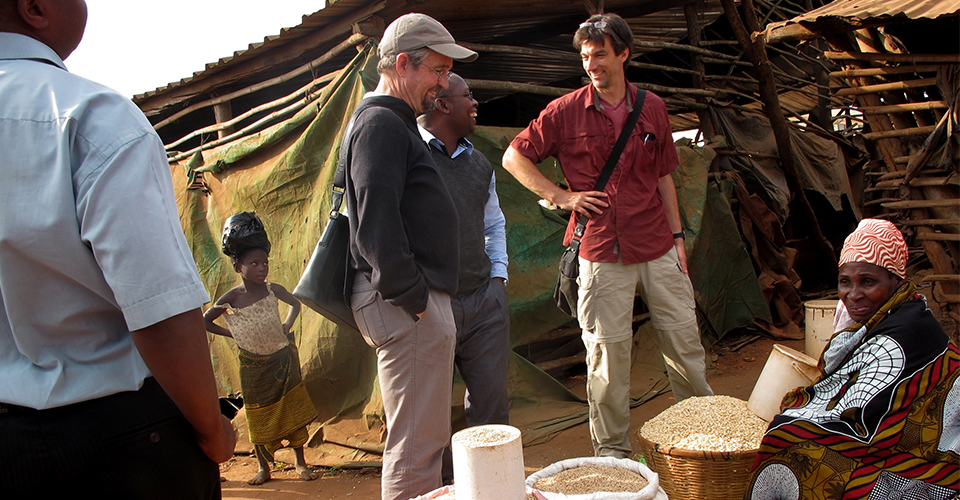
440	73
468	95
600	25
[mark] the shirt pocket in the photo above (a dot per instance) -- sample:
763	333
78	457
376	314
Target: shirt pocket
583	149
647	145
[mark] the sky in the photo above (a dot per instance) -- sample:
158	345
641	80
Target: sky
135	46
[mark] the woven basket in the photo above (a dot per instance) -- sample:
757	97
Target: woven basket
698	475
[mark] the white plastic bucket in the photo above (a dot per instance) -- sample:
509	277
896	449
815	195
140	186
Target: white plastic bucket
818	325
488	463
786	369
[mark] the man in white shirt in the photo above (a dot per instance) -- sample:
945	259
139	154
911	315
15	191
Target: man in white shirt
103	354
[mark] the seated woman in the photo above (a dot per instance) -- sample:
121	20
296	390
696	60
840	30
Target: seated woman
883	419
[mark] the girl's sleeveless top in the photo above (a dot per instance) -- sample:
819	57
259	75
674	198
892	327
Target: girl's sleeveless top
257	328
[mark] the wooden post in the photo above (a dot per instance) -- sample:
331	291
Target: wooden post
223	112
691	12
823	117
756	52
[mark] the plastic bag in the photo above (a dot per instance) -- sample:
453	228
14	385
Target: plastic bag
438	494
449	492
242	232
651	491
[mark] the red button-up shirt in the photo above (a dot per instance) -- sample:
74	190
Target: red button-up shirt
574	130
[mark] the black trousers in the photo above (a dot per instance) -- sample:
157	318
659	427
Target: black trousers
129	445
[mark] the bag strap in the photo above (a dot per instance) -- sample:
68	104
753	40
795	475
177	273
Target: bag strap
340	177
581	226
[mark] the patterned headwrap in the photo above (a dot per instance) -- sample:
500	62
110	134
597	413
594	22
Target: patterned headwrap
878	242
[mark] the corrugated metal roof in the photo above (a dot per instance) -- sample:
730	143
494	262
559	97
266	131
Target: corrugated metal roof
858	11
470	21
309	24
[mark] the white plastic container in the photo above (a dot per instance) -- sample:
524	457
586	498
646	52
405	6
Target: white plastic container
785	369
488	463
818	325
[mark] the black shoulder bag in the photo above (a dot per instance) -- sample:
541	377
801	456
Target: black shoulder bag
327	281
566	293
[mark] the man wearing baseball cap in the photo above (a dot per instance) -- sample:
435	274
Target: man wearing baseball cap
404	246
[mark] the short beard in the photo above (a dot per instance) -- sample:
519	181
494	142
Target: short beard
427	103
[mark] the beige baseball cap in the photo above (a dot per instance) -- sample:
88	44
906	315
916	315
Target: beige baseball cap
416	31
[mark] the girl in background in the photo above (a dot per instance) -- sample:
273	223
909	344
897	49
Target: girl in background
276	401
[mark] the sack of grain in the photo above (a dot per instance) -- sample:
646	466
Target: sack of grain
585	479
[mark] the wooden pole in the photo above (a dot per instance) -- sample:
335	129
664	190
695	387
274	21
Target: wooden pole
517	87
756	52
823	117
941	277
711	60
931	222
222	113
938	236
911	204
901	108
920	182
660	67
513	49
878	56
687	48
691	13
872	136
898	70
887	87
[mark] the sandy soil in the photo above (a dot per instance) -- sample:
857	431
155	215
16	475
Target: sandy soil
735	374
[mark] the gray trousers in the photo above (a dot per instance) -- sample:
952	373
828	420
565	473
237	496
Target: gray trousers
483	351
414	366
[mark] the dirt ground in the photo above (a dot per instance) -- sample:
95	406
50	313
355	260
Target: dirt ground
735	374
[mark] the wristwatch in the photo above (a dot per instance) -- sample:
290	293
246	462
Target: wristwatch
681	234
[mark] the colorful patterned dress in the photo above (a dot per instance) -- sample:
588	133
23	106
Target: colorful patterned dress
881	422
276	401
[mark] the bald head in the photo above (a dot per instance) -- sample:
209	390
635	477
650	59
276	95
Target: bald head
453	114
58	24
456	86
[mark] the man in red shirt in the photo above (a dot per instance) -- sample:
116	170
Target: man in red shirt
633	240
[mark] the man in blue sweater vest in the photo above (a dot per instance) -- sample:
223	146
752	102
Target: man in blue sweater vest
480	305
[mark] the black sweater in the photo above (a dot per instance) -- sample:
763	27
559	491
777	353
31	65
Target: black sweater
403	223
